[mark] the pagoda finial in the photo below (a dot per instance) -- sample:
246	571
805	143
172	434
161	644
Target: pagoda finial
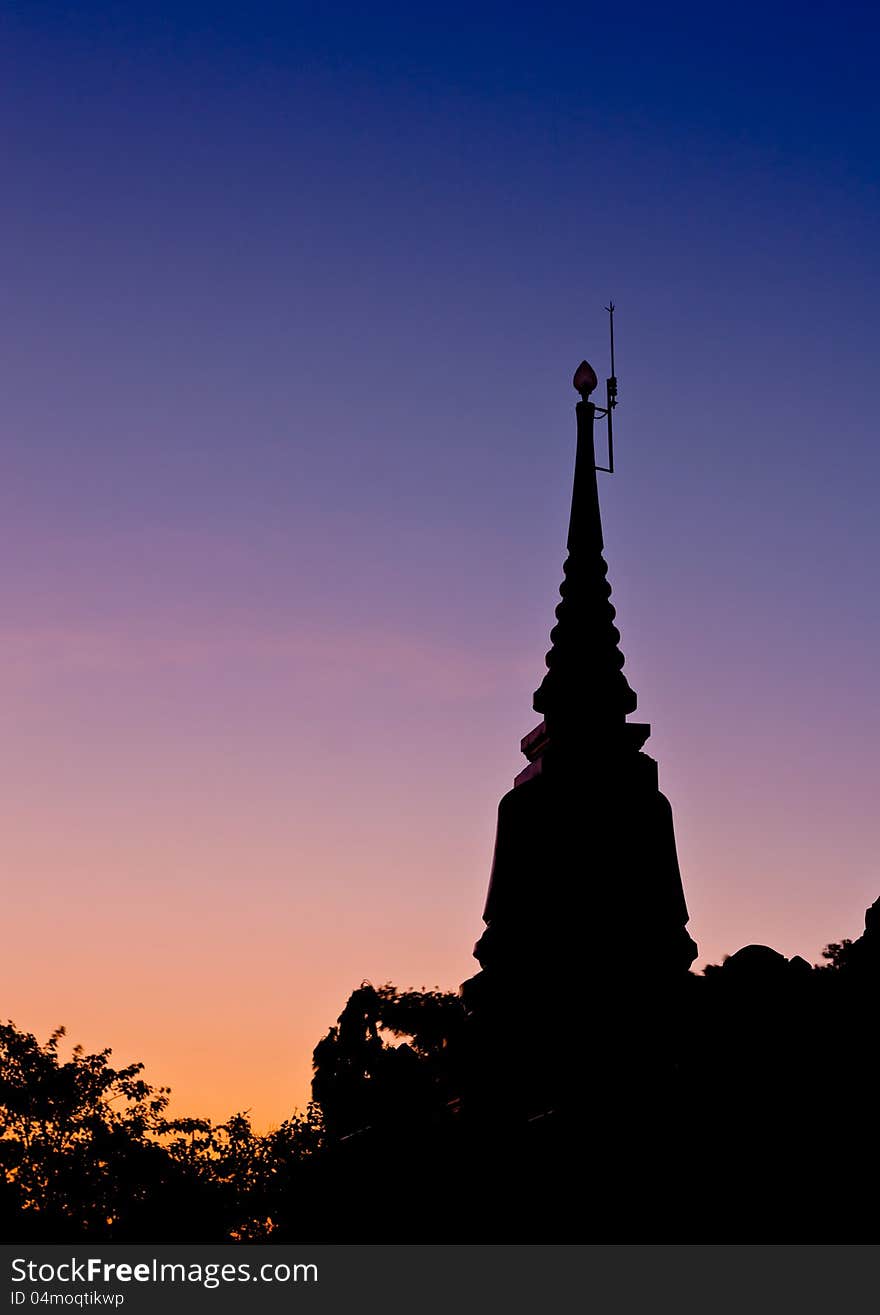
585	379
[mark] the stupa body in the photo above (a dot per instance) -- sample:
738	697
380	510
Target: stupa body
585	913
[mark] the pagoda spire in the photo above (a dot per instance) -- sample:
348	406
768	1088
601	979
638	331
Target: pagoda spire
585	689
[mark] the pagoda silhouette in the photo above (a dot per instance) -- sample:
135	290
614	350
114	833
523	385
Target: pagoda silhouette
586	1085
585	911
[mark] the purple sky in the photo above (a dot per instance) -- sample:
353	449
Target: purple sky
292	299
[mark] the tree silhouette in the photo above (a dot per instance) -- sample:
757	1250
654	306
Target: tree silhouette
363	1081
66	1128
89	1150
406	1108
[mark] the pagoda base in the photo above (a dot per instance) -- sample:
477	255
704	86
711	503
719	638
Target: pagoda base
586	949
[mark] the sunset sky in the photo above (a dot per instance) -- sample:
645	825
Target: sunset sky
292	296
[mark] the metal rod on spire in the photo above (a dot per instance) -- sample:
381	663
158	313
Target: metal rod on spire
610	395
611	309
611	391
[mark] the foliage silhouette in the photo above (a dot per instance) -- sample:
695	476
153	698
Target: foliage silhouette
739	1070
88	1150
364	1081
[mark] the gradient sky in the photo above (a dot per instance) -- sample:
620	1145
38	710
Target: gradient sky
292	295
